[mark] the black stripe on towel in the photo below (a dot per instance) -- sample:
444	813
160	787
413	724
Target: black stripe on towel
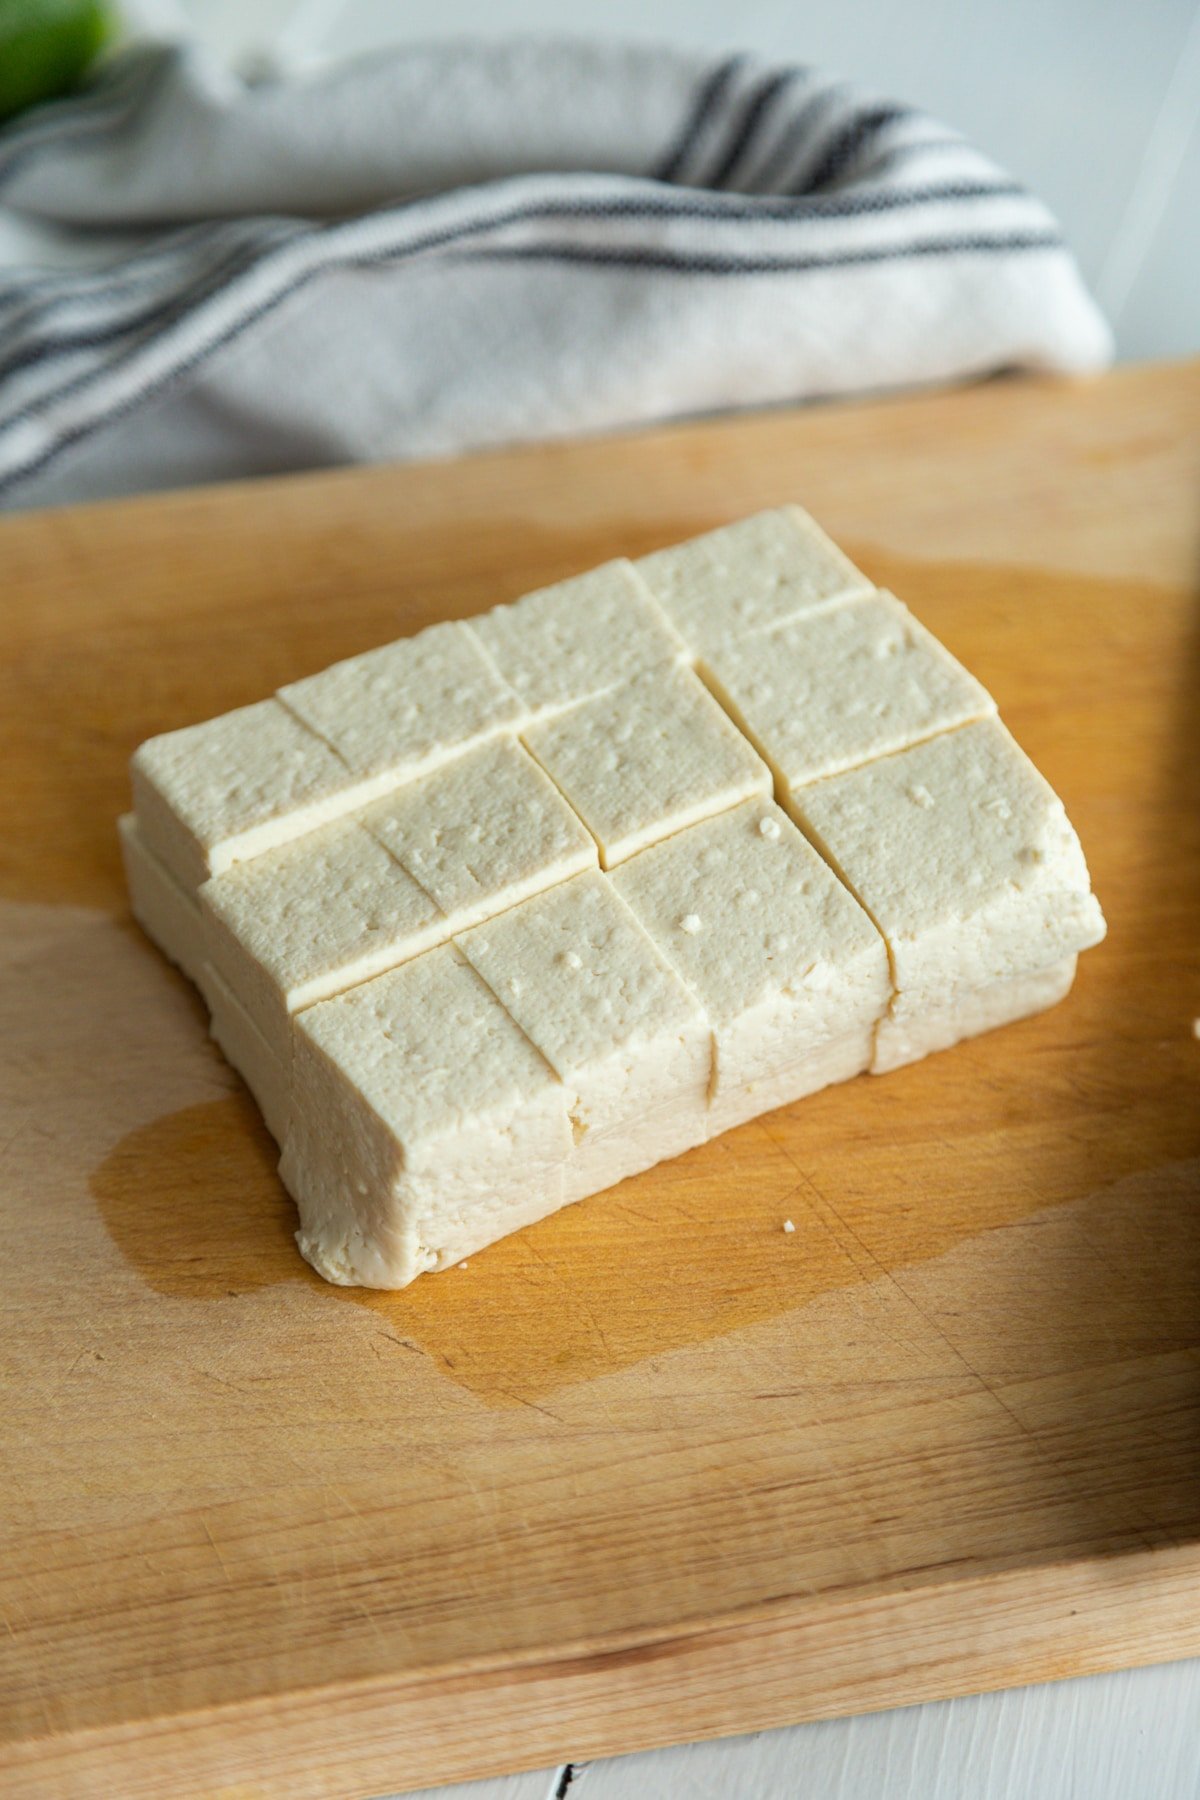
708	100
760	101
212	279
848	144
689	263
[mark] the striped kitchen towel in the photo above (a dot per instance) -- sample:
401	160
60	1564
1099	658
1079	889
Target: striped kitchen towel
481	243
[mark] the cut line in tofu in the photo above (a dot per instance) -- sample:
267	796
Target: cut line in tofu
646	760
393	713
589	988
166	912
208	796
482	832
579	638
791	972
845	687
749	576
267	1074
312	918
425	1125
964	857
360	896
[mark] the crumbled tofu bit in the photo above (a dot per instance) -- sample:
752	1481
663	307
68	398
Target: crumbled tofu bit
768	827
690	923
788	1226
464	1265
1196	1028
572	960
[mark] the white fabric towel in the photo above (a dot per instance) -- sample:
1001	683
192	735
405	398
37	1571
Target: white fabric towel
479	243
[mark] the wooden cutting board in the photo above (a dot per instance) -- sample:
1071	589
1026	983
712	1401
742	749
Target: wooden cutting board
655	1469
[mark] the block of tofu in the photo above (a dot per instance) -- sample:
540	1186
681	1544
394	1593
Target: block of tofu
826	693
746	577
243	1045
311	918
390	714
425	1124
211	795
632	1047
789	969
964	857
579	638
918	1025
647	759
482	832
166	912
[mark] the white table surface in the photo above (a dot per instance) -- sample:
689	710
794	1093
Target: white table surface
1096	104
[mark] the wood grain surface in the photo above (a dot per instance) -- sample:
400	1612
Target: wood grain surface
654	1469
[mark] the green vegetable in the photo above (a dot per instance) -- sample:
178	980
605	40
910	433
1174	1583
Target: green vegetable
45	48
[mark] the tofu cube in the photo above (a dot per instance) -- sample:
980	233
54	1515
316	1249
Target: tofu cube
393	713
632	1047
647	759
749	576
307	920
579	638
826	693
211	795
424	1125
964	857
788	967
482	832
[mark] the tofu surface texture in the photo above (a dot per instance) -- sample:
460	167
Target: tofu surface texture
164	909
964	857
482	832
623	1034
266	1073
210	795
787	965
313	917
647	759
425	1124
499	915
842	687
748	576
579	638
395	712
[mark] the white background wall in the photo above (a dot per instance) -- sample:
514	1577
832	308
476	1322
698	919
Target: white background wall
1093	103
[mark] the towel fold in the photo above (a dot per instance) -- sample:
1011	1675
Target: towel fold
474	244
